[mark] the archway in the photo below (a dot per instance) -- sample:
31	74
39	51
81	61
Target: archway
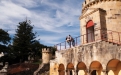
114	67
90	31
70	69
61	69
111	72
95	68
81	67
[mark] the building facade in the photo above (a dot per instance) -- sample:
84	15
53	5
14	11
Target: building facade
100	50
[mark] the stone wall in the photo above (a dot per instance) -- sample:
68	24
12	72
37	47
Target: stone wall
106	15
98	53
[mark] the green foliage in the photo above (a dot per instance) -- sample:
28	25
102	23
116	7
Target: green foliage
53	49
37	62
4	37
36	49
24	45
4	40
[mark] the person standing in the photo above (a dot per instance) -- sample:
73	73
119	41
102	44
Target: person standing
73	42
70	40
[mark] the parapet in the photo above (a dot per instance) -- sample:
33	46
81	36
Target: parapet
46	55
46	50
88	3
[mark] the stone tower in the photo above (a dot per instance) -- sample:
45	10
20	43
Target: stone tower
46	55
99	18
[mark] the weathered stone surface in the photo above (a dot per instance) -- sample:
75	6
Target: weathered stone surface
106	15
102	51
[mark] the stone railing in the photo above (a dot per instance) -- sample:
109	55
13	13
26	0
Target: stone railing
108	35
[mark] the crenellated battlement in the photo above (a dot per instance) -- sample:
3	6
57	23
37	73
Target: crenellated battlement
46	55
46	50
88	3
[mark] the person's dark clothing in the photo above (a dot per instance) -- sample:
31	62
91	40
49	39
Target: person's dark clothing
70	40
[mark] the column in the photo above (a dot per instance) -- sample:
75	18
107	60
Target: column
66	72
105	72
88	72
76	72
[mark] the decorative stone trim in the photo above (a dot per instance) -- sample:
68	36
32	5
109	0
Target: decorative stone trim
92	12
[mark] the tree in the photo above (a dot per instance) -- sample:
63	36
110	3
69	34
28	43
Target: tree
36	49
23	40
4	37
4	40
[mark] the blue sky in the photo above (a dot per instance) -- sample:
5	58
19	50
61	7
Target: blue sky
53	20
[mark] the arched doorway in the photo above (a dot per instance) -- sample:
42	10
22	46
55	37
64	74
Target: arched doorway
96	68
90	31
114	67
61	69
81	68
70	69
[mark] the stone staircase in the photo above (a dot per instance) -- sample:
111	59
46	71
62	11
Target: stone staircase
43	68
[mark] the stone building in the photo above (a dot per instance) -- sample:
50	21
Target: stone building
99	52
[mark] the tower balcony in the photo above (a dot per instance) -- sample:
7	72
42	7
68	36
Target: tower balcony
109	36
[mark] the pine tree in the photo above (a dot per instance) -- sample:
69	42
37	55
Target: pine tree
23	40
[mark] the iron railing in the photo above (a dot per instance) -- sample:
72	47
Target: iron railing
108	35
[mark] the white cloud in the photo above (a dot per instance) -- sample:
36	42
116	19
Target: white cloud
26	3
46	15
10	13
10	9
41	1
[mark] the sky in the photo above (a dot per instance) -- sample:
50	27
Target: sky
53	20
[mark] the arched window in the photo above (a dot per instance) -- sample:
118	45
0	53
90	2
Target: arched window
89	24
70	69
90	31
